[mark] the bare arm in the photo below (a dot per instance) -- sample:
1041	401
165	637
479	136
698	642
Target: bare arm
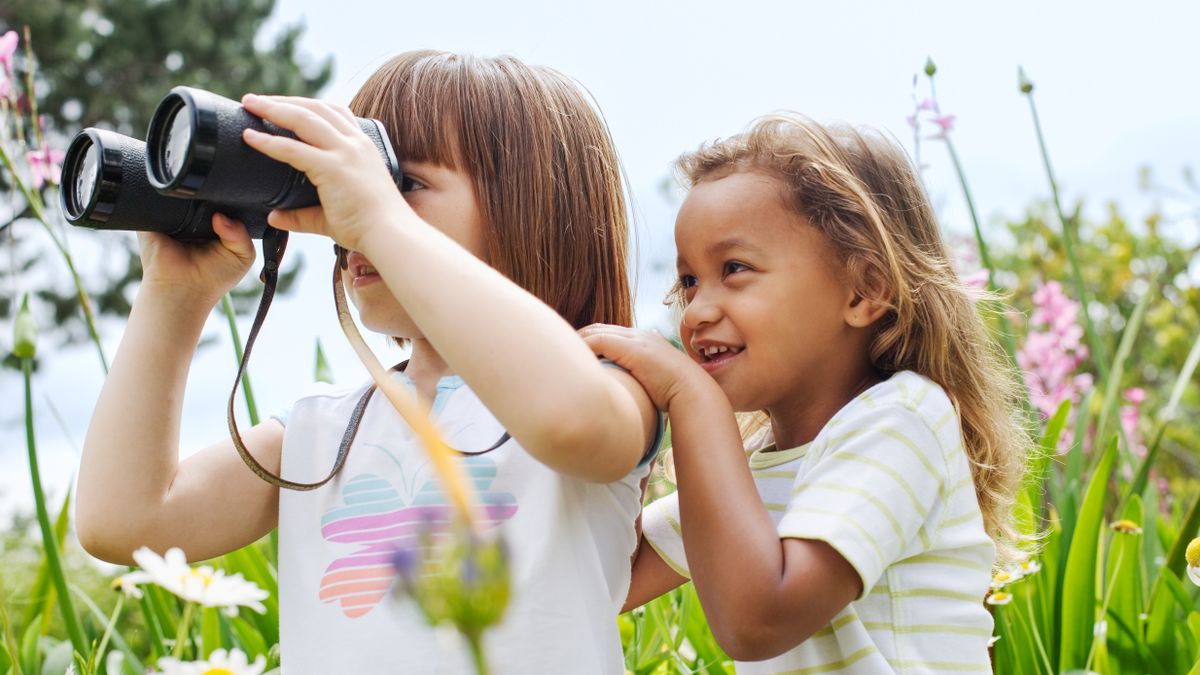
133	491
652	577
762	595
523	360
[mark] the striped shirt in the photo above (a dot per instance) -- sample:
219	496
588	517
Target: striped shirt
888	485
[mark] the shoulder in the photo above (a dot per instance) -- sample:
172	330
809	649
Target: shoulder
905	398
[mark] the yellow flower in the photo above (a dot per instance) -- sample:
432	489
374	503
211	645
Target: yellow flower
1125	526
1192	555
1028	567
999	598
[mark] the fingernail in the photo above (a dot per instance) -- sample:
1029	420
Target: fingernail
249	98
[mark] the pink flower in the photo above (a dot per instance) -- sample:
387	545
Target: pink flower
945	123
976	284
44	166
1053	351
8	47
927	104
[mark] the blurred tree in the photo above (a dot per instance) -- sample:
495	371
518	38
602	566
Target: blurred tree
107	63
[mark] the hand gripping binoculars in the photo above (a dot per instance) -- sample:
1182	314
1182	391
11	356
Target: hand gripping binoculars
192	164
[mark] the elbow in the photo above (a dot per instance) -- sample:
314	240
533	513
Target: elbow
99	540
756	638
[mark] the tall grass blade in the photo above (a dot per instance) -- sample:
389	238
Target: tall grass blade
1079	585
1113	383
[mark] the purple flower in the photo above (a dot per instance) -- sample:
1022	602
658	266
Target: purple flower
45	165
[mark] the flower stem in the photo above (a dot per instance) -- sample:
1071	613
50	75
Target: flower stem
49	542
35	203
1099	355
475	642
181	634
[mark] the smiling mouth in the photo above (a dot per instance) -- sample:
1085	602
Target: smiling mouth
713	359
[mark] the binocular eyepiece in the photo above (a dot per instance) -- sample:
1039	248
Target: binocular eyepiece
192	164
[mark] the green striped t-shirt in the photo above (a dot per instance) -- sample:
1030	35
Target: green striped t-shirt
888	485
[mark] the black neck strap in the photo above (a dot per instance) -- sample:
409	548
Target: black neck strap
274	243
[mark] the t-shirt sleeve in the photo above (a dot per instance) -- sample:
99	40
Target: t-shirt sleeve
660	525
871	489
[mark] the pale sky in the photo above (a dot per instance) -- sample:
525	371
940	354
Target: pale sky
1116	89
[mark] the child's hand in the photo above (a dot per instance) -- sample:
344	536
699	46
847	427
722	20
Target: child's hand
207	271
662	370
355	188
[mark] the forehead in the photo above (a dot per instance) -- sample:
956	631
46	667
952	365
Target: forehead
746	210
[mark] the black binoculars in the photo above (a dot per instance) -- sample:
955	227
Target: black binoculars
192	164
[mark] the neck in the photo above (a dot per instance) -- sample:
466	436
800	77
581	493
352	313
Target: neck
798	421
425	368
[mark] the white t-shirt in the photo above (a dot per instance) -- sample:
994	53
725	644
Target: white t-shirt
888	485
569	543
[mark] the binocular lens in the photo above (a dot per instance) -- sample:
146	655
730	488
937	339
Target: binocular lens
176	143
83	187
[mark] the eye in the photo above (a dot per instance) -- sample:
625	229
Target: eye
733	267
686	281
410	184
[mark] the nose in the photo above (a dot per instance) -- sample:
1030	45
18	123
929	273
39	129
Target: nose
701	309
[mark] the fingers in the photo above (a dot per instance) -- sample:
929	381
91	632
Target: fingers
233	236
313	121
310	219
290	151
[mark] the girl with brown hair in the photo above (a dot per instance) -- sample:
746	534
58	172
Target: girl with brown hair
508	234
861	535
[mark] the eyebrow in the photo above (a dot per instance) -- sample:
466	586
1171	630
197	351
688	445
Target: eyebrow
725	245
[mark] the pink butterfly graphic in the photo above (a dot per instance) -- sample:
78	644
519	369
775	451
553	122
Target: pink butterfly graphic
378	520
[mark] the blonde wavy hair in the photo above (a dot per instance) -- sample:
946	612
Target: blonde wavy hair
858	189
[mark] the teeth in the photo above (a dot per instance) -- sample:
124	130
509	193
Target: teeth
710	352
365	270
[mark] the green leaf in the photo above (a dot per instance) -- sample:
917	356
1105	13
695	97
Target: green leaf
42	587
1079	583
1030	500
133	665
1125	580
323	373
1113	382
210	631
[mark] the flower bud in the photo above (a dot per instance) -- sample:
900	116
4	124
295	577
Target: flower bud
930	68
24	332
1023	81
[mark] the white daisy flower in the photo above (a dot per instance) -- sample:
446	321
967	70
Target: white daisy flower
202	585
999	598
233	662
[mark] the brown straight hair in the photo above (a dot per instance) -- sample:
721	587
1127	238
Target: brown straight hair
545	172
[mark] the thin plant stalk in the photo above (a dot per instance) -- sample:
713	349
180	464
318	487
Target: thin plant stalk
35	203
1007	336
1037	636
478	658
49	543
1099	354
181	634
231	317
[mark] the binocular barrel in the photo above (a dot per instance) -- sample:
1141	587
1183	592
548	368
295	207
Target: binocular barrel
193	163
104	187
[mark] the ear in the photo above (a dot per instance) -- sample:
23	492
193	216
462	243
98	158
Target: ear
861	311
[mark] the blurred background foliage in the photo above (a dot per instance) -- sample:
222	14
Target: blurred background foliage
107	63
